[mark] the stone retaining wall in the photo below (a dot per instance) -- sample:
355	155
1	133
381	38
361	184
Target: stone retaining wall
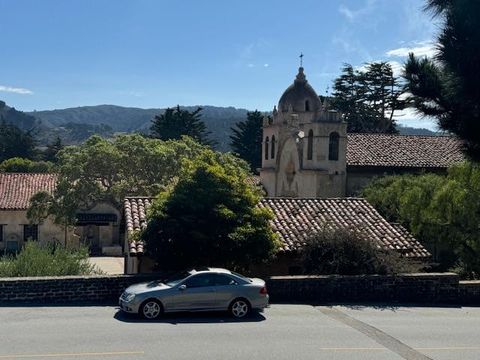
470	292
442	288
408	288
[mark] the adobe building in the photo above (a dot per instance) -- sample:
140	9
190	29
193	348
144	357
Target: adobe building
308	153
97	228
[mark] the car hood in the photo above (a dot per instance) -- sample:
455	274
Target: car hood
146	287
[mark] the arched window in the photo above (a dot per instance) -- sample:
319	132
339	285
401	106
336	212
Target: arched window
310	145
272	154
266	148
333	146
307	105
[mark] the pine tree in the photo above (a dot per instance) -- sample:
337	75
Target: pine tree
247	139
447	86
368	98
50	153
176	122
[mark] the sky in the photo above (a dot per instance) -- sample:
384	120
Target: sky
155	53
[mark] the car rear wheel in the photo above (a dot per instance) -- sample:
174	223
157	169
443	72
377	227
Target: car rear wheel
239	308
151	309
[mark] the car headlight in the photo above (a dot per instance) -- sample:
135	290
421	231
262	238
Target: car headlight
128	297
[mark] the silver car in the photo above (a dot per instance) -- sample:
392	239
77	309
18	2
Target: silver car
206	289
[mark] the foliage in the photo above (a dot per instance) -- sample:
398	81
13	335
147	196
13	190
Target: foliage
102	170
368	98
21	165
446	87
348	251
50	153
18	118
247	139
210	218
175	123
47	260
15	142
442	212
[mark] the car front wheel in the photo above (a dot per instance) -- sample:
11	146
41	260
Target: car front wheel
151	309
239	308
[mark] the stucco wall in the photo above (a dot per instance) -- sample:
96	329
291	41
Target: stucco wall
14	220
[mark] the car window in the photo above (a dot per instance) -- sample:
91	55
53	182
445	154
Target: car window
200	280
223	280
176	278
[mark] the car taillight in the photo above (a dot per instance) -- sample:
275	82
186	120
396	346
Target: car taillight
263	290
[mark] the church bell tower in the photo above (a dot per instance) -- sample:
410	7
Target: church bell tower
304	146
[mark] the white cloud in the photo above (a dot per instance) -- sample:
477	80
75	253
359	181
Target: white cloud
250	65
421	49
15	90
397	67
353	15
266	65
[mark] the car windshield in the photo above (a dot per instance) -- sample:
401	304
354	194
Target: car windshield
178	277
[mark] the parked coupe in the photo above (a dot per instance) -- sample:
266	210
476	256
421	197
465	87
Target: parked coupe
205	289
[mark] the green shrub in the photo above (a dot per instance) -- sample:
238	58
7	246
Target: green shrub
350	252
47	260
21	165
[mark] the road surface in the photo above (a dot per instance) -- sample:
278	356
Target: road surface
282	332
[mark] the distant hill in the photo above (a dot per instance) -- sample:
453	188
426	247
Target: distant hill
218	120
12	116
74	125
406	130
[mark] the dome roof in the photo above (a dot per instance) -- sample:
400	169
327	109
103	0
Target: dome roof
300	96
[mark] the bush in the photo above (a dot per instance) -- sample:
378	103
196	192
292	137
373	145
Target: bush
21	165
350	252
47	260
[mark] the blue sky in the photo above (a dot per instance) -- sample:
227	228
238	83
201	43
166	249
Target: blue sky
154	53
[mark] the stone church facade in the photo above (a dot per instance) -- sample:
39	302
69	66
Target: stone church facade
307	152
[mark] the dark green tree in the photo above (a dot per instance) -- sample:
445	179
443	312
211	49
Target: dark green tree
50	153
247	139
368	98
210	218
15	142
442	212
447	86
176	122
20	165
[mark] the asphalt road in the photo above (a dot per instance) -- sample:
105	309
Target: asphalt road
282	332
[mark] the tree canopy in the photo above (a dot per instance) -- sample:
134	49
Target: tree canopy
446	86
21	165
210	218
15	142
442	212
368	97
102	170
176	122
247	139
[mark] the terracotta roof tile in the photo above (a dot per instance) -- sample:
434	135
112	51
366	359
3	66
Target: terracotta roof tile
135	209
295	219
16	189
410	151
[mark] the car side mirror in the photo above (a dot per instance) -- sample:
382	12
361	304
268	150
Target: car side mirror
182	287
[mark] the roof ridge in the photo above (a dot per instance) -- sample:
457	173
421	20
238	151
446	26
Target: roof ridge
404	135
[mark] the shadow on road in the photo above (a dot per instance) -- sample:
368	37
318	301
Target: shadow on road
189	318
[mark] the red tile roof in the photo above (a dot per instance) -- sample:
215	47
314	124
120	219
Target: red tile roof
296	219
16	189
135	209
408	151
